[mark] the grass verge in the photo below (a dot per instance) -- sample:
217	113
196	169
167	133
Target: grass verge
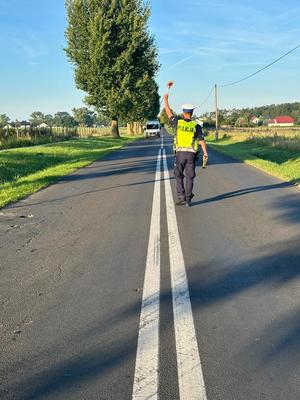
281	162
13	143
26	170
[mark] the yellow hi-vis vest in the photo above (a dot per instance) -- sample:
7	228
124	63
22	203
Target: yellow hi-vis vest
185	138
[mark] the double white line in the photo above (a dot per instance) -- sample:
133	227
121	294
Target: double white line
190	375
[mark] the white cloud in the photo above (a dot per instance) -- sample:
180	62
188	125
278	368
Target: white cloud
31	47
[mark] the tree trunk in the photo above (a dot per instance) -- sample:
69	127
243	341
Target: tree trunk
115	128
138	128
130	129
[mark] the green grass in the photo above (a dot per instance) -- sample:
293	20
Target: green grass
12	142
281	162
26	170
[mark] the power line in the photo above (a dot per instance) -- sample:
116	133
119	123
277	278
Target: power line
206	98
262	69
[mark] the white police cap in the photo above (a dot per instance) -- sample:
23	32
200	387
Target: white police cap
189	108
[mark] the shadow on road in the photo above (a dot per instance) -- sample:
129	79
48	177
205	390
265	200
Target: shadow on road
279	342
277	265
243	192
280	339
87	193
148	166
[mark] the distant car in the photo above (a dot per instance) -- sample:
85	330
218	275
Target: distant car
152	128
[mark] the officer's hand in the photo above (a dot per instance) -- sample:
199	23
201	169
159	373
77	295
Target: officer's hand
166	97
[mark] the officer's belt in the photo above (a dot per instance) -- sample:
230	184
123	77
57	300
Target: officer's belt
185	149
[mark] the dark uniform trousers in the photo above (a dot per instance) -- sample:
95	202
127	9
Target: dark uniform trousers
185	167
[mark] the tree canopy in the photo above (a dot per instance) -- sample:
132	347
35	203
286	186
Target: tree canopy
114	56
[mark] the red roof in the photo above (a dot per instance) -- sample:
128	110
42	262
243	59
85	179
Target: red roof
283	119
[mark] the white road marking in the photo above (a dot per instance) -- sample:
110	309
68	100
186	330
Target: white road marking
146	368
190	375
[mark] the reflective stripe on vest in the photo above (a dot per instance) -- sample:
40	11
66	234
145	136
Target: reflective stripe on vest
186	133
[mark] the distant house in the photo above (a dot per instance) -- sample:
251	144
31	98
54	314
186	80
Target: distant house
255	120
282	120
8	126
43	126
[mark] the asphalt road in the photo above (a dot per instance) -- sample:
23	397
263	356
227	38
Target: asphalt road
94	298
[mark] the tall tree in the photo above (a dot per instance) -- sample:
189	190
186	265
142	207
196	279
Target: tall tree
49	120
64	119
4	120
114	56
84	116
37	118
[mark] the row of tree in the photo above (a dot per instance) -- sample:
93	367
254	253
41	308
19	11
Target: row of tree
114	58
81	117
243	117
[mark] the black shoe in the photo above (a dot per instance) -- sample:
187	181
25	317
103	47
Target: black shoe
180	201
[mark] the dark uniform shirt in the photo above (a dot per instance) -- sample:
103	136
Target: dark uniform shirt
199	133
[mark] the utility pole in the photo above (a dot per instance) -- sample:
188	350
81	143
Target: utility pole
217	113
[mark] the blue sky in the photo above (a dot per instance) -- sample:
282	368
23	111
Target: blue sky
200	43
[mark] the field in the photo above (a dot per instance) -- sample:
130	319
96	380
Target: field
276	151
26	170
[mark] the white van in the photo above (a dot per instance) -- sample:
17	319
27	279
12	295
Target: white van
152	128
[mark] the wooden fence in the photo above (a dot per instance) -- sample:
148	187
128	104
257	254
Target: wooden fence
31	132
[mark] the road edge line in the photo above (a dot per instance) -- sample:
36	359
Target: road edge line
147	357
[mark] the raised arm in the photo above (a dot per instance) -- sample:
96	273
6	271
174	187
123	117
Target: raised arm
167	106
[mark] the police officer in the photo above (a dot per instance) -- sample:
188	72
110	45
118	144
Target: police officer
188	135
